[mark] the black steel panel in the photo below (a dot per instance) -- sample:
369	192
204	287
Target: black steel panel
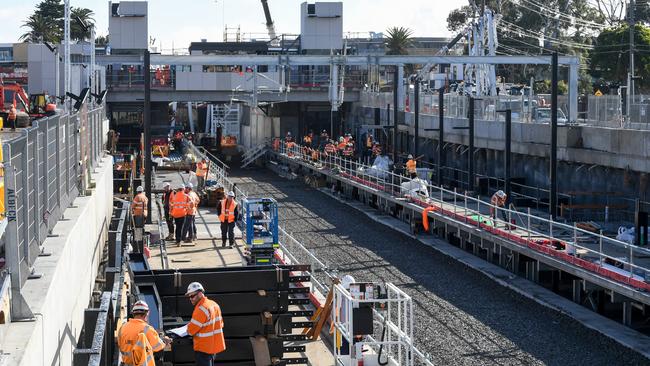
231	304
239	349
237	326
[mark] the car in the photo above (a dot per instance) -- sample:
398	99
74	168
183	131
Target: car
543	115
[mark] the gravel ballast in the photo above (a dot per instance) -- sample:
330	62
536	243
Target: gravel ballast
462	317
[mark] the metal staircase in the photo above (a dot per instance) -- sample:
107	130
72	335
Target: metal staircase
253	154
226	116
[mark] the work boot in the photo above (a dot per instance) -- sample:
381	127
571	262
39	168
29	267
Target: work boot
170	237
223	244
187	241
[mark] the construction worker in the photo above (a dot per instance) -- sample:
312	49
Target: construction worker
129	339
342	144
228	212
324	139
330	148
206	326
348	151
289	144
11	118
308	139
179	203
376	149
189	229
411	167
167	194
139	207
201	174
498	201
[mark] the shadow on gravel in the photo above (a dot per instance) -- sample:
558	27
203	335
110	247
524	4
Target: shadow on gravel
462	317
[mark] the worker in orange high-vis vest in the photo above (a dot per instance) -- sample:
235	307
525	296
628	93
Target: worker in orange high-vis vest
228	212
11	117
206	326
411	167
133	350
201	174
139	207
189	231
179	204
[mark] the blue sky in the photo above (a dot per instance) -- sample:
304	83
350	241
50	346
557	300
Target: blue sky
179	22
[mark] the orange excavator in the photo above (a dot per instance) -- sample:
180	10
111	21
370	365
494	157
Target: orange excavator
28	108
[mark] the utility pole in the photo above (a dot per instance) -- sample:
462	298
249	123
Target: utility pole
631	26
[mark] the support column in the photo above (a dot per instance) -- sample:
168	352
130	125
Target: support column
470	152
416	125
627	313
147	131
577	291
554	105
508	149
441	133
400	87
573	92
396	113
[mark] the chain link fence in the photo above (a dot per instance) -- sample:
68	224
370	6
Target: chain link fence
46	167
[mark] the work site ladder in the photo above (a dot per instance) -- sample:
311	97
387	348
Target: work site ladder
253	154
226	116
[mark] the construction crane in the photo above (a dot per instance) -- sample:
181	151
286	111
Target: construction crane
270	27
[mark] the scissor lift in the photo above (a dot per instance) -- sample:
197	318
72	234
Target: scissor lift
261	230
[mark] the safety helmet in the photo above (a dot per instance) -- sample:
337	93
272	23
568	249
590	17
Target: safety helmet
341	139
181	186
189	185
231	194
166	184
324	131
139	189
289	133
410	156
501	193
346	281
194	287
140	307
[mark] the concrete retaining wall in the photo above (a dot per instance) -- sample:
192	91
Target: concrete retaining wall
59	297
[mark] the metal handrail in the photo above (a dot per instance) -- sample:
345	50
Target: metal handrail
391	182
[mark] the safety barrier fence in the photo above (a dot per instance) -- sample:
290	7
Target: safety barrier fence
97	343
612	259
290	248
46	166
602	111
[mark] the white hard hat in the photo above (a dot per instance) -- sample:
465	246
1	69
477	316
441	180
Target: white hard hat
346	281
166	184
181	186
194	287
410	156
139	189
501	193
231	194
189	185
140	307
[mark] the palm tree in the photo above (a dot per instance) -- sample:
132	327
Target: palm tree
77	32
40	29
398	40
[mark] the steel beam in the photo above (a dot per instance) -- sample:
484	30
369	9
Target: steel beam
295	60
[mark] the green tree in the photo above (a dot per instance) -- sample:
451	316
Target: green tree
398	40
101	40
46	23
40	30
610	57
77	32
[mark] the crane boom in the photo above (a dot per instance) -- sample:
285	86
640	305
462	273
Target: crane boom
270	27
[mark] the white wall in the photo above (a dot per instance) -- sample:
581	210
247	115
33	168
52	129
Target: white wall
61	295
323	31
129	30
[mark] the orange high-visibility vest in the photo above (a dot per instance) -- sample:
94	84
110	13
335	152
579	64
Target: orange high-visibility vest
139	205
229	212
410	166
201	169
330	149
178	204
127	341
206	327
194	198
